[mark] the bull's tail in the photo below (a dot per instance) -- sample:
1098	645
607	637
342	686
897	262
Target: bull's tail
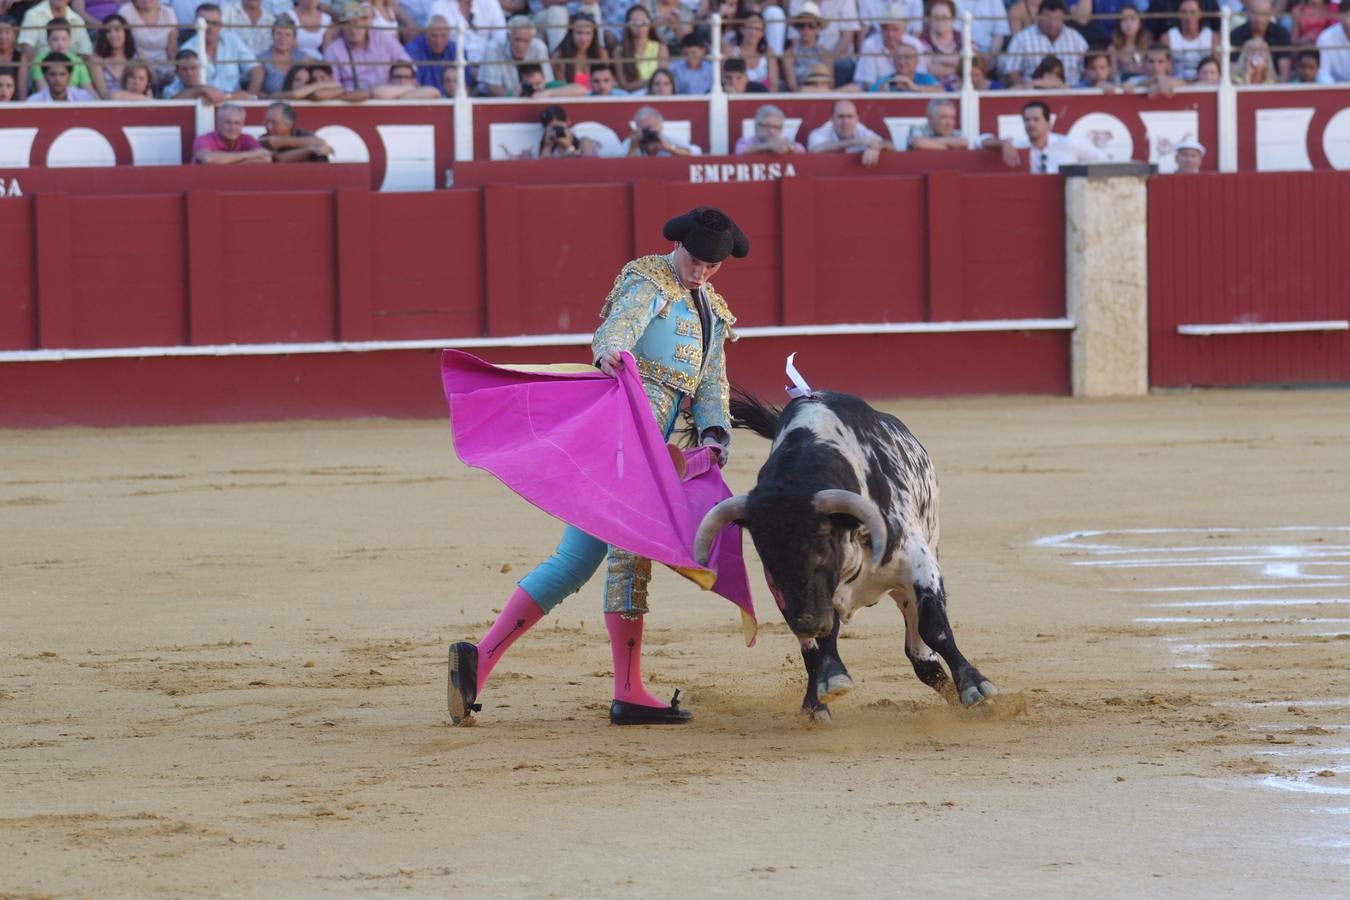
747	411
753	414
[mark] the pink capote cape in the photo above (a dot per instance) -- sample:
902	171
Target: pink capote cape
584	447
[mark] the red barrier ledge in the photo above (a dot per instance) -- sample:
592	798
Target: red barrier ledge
722	169
182	179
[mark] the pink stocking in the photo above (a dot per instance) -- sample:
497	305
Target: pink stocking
625	643
518	616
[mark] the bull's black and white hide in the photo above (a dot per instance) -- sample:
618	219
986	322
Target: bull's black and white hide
844	510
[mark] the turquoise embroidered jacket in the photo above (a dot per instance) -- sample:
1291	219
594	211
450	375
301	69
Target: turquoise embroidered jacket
651	315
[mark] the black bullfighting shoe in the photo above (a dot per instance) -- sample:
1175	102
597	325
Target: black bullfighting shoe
623	713
461	688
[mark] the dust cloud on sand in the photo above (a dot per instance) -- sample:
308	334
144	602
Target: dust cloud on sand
222	666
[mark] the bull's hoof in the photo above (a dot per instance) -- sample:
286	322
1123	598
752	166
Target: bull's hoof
832	681
817	715
978	693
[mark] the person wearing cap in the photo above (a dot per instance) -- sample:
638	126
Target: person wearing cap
1190	153
662	310
361	56
876	63
805	52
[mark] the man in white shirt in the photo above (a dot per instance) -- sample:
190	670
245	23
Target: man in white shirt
1035	42
1332	44
843	133
1049	151
34	33
878	52
990	26
240	17
499	75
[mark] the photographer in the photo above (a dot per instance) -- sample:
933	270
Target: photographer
558	140
648	138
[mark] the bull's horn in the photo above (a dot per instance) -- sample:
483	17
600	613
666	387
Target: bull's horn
860	508
720	516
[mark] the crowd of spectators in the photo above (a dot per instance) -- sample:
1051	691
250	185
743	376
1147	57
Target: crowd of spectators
83	50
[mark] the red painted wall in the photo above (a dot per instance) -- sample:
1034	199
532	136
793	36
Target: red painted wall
218	267
1248	247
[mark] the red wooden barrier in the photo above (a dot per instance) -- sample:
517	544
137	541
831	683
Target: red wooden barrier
1247	249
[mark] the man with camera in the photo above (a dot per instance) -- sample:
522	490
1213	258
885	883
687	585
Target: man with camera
558	140
648	139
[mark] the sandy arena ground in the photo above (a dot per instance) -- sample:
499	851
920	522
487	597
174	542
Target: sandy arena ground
222	666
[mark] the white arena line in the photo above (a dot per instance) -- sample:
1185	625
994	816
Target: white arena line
1068	538
1307	751
1332	702
1308	783
1236	620
1288	601
1210	588
1289	727
1278	571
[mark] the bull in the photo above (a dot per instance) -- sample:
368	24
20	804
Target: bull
845	509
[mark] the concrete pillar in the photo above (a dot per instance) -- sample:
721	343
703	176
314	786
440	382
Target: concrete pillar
1106	278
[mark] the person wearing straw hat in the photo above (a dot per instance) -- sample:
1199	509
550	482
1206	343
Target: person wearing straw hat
664	312
806	50
1190	153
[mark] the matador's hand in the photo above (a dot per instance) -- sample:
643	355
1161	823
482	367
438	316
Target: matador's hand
610	361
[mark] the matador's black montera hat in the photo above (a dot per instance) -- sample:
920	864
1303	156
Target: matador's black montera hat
708	234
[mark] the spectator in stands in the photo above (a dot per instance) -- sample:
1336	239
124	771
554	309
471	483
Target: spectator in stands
1049	74
91	11
402	85
1097	74
1311	19
1306	64
484	24
313	27
1261	24
843	32
56	70
648	137
1189	40
188	84
661	84
58	41
155	26
287	142
228	145
11	57
9	86
1254	64
114	47
1189	154
230	65
389	17
450	81
639	53
980	70
280	55
432	50
907	76
876	63
1208	72
249	21
805	50
1331	44
941	42
672	21
819	80
734	79
558	140
34	33
1047	37
990	30
940	131
534	85
843	133
499	76
1157	80
1130	42
1049	151
746	42
693	71
313	82
604	82
578	51
361	55
138	83
768	135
